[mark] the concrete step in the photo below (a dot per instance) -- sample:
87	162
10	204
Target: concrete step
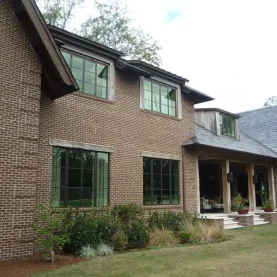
259	220
233	226
260	223
231	223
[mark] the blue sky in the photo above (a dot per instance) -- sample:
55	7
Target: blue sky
226	48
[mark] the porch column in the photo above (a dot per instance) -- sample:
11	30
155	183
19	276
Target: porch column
226	186
251	187
271	187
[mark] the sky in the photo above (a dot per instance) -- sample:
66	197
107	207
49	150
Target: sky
226	48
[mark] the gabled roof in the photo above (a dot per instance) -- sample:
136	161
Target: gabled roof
57	79
261	124
246	144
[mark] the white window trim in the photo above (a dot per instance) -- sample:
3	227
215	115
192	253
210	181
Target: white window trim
163	81
97	57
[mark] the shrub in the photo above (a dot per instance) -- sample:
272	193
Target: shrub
161	237
137	235
48	228
87	252
128	213
169	220
93	229
185	238
104	250
190	227
119	240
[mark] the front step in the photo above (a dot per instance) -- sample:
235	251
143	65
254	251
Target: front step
259	220
230	223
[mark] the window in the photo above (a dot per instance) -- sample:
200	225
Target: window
159	98
160	182
80	178
227	125
91	76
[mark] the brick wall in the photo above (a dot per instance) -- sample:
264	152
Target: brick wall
19	128
121	125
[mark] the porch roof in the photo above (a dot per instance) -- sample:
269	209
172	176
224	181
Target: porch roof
246	144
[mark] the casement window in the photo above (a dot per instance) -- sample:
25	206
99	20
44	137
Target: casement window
91	75
227	125
80	178
159	97
160	182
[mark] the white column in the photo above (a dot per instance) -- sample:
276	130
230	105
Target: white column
271	186
198	186
251	187
226	186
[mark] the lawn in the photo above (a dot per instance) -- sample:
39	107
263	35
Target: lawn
250	252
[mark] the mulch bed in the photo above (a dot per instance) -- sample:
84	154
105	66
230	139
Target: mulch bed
27	266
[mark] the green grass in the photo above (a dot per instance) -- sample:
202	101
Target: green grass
250	252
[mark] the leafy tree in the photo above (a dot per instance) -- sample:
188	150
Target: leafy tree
112	27
58	12
271	101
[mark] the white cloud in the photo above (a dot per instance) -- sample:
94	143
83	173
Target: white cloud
226	48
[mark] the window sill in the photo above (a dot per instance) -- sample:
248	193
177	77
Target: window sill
161	115
81	209
86	95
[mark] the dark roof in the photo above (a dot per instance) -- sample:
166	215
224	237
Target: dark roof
74	39
196	96
57	79
261	124
217	110
246	144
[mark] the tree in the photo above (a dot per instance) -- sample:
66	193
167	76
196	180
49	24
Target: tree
58	12
112	27
271	101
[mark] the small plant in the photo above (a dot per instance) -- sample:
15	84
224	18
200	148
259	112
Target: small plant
87	252
161	237
185	238
137	235
119	240
48	228
268	205
190	227
128	213
239	203
104	250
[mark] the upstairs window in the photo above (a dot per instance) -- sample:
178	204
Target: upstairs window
159	98
227	125
91	76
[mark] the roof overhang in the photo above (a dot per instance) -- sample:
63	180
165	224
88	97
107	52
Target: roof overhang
57	79
196	96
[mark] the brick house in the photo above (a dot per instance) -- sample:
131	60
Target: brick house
81	126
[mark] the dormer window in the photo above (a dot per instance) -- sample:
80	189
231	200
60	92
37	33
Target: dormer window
227	125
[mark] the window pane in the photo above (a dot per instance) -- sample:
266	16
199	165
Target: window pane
75	158
66	57
175	197
156	88
164	99
166	197
101	92
147	95
147	85
147	165
77	73
88	177
164	91
172	111
156	107
58	197
157	166
74	195
102	198
87	197
164	109
58	157
89	77
102	171
157	197
88	159
77	62
102	161
147	181
157	181
74	178
172	97
80	85
165	166
90	66
175	182
147	105
89	88
102	75
166	182
146	197
156	97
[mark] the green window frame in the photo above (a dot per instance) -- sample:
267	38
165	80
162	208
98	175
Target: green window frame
91	75
80	178
159	97
160	182
228	126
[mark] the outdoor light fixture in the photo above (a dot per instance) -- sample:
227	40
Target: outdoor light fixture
230	177
255	179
